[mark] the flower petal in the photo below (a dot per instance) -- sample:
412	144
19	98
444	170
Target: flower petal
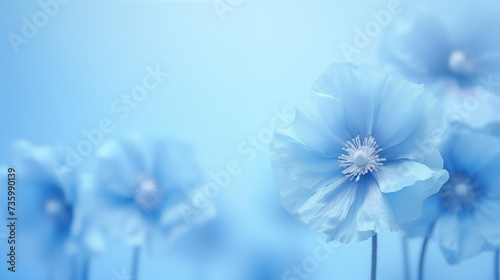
395	175
375	212
423	225
124	164
414	137
488	220
418	49
357	88
347	231
407	202
329	206
319	124
293	195
301	164
477	155
458	236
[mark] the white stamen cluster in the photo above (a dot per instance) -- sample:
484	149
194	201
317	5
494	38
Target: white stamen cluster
361	158
148	195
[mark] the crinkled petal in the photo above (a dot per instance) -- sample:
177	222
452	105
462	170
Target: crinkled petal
420	140
301	164
357	87
329	206
319	124
395	175
293	194
407	202
408	113
375	212
347	231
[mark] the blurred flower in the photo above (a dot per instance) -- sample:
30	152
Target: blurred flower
138	190
423	49
463	217
360	157
458	60
49	211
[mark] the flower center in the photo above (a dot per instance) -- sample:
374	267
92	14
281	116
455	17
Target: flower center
361	158
147	195
57	210
458	63
460	193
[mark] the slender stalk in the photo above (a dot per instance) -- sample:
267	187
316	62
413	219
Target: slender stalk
406	259
422	259
135	263
374	257
85	268
495	267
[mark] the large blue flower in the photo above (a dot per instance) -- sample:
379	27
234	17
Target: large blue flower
464	216
360	157
139	187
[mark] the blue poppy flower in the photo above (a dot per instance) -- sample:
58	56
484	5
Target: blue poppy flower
47	205
463	217
360	157
429	49
458	60
139	187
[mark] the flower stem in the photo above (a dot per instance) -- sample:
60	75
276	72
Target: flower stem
495	267
135	263
406	261
374	257
85	268
422	259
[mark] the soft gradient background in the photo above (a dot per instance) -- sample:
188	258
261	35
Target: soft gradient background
226	78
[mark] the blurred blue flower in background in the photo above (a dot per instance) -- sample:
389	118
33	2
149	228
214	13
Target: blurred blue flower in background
50	213
457	60
360	157
463	217
426	50
139	187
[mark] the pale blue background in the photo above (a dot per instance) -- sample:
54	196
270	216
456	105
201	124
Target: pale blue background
226	79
